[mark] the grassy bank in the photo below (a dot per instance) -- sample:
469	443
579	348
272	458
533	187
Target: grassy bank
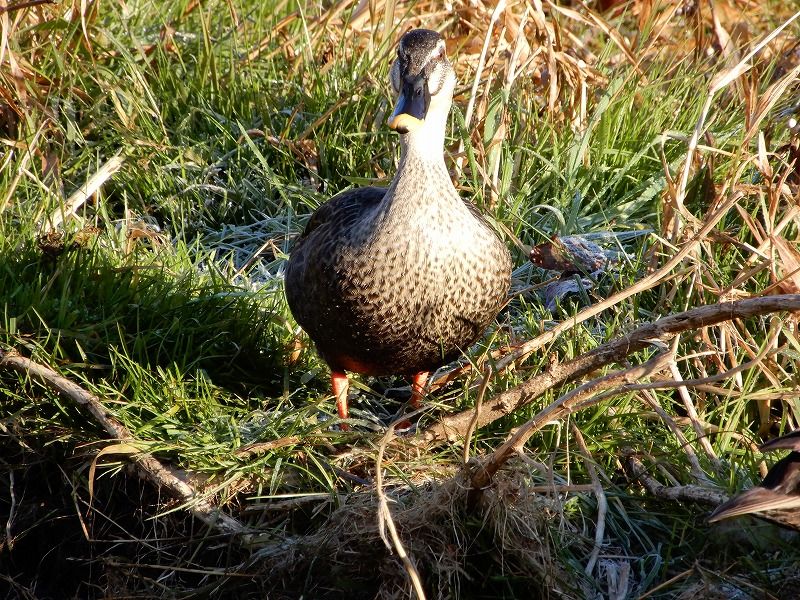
159	158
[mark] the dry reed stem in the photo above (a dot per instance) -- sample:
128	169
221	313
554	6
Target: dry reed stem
9	8
720	81
552	96
385	520
679	383
716	429
477	410
668	583
22	167
691	411
151	469
476	81
453	427
691	456
701	428
605	27
83	193
602	500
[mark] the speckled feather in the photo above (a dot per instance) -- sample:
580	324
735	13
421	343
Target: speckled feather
396	283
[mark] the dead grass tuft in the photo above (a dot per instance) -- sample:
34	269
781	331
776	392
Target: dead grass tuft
454	546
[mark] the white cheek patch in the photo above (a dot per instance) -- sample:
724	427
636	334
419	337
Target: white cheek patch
440	70
436	79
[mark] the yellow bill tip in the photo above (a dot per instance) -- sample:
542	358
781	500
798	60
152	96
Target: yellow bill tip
404	122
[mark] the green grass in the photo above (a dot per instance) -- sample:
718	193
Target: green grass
153	298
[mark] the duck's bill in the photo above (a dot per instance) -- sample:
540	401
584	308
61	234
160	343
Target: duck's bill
404	122
411	108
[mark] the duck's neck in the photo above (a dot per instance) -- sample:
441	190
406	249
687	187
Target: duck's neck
425	145
422	168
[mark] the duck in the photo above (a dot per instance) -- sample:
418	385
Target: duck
404	279
777	498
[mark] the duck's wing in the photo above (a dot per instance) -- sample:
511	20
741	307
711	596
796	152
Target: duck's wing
789	441
776	499
311	261
343	209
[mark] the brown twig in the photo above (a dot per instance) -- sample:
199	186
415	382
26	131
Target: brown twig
151	468
477	410
385	520
662	330
570	403
690	493
453	427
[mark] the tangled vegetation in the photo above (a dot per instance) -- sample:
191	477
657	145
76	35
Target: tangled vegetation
166	430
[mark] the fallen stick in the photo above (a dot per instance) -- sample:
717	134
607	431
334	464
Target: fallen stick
453	427
689	493
151	468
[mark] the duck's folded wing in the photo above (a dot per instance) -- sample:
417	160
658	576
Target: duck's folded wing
754	501
778	494
343	209
790	441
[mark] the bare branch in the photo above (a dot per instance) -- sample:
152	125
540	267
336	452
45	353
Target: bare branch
570	403
652	280
454	427
151	468
690	493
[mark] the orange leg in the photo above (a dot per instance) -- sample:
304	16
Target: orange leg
417	392
340	385
418	388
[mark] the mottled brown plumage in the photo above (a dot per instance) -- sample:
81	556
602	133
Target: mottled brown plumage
400	280
777	499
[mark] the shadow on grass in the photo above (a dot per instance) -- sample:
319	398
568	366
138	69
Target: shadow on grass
78	300
56	546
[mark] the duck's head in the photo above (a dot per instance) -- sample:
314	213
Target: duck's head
424	82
